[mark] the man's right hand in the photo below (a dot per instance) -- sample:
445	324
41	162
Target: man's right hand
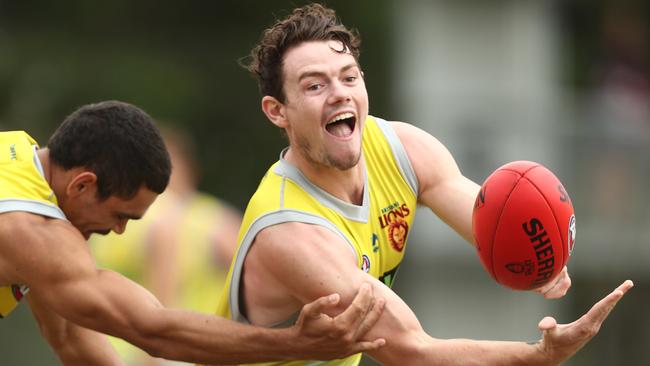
321	337
561	341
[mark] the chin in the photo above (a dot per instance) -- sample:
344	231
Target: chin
345	162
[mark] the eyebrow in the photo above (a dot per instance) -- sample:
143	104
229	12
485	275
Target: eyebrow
320	73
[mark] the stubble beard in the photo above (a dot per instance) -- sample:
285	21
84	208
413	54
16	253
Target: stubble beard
325	159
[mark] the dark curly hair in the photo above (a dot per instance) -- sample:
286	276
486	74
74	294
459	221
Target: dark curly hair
312	22
119	142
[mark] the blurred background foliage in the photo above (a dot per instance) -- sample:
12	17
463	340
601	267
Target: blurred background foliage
176	60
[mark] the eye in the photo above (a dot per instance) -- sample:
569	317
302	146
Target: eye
350	79
314	87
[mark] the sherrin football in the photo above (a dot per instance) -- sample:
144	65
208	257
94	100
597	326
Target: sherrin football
524	225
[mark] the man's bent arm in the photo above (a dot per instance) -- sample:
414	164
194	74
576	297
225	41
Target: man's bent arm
58	267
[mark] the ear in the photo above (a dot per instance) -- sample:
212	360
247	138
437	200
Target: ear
82	183
274	111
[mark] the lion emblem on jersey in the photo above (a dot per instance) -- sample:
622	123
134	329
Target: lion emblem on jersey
397	232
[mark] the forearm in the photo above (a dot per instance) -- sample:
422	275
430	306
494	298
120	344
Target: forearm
109	303
194	337
417	348
129	312
408	344
451	352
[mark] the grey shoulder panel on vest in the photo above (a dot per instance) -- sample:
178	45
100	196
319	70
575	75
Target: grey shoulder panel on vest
35	207
403	162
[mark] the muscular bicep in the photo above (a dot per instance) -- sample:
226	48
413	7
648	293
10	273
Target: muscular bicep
310	261
104	301
443	188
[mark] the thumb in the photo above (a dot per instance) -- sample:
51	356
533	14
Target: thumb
547	324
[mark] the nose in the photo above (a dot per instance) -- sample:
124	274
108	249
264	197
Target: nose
120	227
339	92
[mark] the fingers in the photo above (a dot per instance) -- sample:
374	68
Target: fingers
561	341
370	319
548	286
362	304
368	346
599	312
317	307
558	287
625	286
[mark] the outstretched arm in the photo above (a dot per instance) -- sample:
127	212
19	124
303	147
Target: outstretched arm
298	251
53	260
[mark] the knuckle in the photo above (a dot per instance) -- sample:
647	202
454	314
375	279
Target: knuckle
594	329
584	333
360	308
589	331
348	338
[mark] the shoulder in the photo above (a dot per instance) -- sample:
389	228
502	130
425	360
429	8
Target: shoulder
430	158
294	236
415	137
296	241
41	249
20	137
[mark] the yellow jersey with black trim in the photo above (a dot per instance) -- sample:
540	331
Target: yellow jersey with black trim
22	188
376	230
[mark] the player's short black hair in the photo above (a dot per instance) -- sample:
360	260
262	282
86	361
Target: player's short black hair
119	142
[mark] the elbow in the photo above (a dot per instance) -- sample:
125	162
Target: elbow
411	349
417	350
159	334
148	333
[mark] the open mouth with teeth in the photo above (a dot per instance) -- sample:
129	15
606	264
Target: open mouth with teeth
342	125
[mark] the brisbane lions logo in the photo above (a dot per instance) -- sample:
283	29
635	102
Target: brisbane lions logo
393	219
397	232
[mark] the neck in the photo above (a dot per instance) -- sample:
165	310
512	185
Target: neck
55	176
346	185
44	157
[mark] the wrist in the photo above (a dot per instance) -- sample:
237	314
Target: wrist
540	355
288	344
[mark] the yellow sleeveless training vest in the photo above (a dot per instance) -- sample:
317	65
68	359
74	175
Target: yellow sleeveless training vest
22	188
376	230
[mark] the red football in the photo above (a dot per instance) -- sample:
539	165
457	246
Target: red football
524	225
